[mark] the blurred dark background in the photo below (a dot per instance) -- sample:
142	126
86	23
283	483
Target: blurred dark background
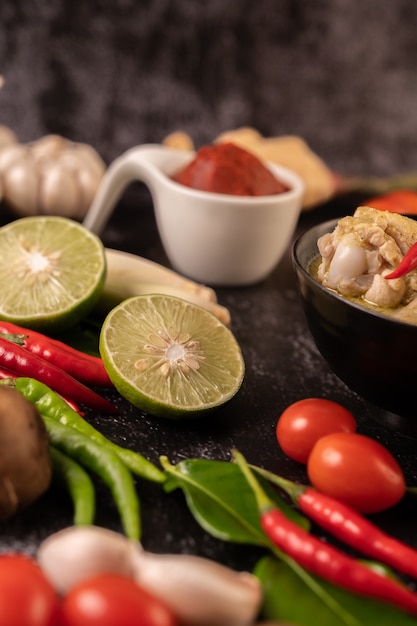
340	73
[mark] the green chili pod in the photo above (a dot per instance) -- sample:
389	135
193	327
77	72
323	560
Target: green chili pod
78	484
52	405
106	464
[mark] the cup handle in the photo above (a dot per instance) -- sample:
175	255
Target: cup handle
138	163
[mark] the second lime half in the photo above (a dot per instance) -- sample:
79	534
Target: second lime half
170	357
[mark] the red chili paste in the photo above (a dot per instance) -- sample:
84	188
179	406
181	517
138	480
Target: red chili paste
226	168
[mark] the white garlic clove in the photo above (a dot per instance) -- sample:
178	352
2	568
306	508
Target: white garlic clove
10	154
79	552
86	156
201	592
48	146
59	193
20	187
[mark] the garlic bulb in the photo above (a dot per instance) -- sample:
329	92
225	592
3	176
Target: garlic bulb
199	591
51	176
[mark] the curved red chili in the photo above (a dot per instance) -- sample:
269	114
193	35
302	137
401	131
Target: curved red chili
85	367
5	373
72	404
23	363
329	563
322	559
348	525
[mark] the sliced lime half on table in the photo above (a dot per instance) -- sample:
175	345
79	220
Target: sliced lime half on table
52	271
170	357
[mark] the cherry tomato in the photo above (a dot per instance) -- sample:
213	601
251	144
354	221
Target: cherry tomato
26	596
111	599
357	470
306	421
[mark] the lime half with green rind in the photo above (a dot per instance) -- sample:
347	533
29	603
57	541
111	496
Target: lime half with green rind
52	272
169	357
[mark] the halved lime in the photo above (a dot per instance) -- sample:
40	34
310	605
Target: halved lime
52	271
170	357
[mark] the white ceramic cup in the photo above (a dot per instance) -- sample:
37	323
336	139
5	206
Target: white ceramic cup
218	239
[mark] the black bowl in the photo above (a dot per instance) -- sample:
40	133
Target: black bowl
375	355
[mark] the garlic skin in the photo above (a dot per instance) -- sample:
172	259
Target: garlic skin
52	176
199	591
78	552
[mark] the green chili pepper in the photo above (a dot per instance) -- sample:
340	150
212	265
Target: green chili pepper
79	485
106	464
52	405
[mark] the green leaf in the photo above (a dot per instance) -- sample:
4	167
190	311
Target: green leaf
221	500
289	596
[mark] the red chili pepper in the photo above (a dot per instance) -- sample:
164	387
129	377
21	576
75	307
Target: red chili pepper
401	201
72	404
5	373
348	525
23	363
331	564
356	531
85	367
408	263
322	559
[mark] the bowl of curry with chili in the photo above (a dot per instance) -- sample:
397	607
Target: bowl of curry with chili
368	348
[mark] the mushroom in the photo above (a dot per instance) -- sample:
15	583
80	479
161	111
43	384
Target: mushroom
25	463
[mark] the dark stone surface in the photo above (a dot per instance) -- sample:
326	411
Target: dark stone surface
339	73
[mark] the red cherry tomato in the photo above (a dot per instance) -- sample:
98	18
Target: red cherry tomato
357	470
110	599
26	596
306	421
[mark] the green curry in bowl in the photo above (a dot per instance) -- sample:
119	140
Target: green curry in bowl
358	259
373	353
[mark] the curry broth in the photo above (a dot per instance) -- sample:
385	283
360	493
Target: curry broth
359	300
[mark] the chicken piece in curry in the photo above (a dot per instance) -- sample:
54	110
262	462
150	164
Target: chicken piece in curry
361	251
